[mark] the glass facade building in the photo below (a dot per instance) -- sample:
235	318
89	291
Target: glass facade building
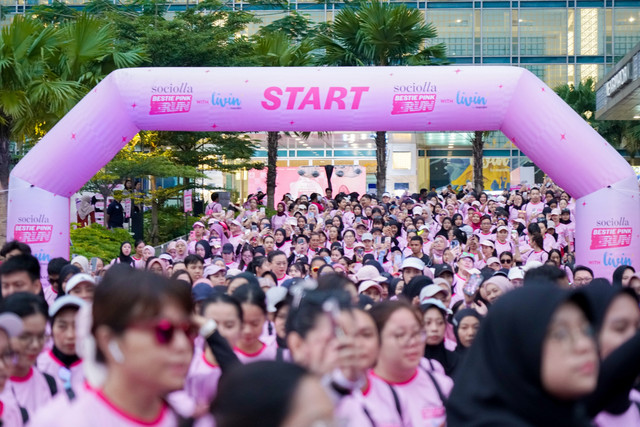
559	41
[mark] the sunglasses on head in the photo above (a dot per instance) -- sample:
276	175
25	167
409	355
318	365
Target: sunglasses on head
505	261
164	330
301	241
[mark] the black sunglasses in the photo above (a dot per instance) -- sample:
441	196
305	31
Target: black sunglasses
506	261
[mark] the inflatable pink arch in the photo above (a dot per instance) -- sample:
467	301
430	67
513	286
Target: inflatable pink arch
509	99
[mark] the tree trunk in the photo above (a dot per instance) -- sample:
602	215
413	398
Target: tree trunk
5	167
272	158
381	160
153	233
478	176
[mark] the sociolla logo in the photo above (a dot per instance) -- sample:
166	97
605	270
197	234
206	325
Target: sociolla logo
172	88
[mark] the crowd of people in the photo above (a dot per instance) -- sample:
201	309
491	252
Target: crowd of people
440	308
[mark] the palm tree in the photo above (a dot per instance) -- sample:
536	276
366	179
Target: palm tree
623	134
380	34
277	50
44	71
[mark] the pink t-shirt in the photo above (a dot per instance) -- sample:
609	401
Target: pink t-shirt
283	279
31	392
482	236
49	295
420	397
541	256
631	417
267	352
9	410
94	409
375	402
202	380
49	364
533	209
507	246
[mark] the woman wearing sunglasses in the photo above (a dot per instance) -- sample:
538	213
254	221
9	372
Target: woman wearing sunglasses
144	341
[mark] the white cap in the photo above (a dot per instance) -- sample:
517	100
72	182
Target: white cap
367	236
531	265
11	323
437	303
275	295
369	272
212	269
503	227
368	284
429	291
413	262
440	281
487	242
79	278
198	224
233	272
473	271
417	210
551	224
556	211
65	301
166	257
492	260
516	273
386	195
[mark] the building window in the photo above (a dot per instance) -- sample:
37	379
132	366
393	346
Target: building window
401	160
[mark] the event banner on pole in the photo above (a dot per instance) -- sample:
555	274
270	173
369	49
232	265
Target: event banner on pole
188	201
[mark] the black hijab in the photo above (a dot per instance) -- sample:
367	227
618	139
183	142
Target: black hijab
284	239
600	296
125	259
500	382
447	358
207	248
457	318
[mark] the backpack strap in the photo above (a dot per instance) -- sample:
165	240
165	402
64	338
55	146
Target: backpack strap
51	382
25	415
396	400
443	398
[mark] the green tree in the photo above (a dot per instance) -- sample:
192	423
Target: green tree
278	50
143	157
44	70
380	34
622	134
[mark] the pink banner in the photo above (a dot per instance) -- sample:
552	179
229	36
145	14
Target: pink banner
306	180
188	202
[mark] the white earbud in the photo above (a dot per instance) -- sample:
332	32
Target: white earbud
115	351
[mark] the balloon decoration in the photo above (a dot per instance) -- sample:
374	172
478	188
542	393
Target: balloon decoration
420	99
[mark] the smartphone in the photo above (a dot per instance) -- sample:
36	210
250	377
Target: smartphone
262	210
94	264
473	284
332	308
455	244
254	227
378	240
359	251
514	233
397	259
312	215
